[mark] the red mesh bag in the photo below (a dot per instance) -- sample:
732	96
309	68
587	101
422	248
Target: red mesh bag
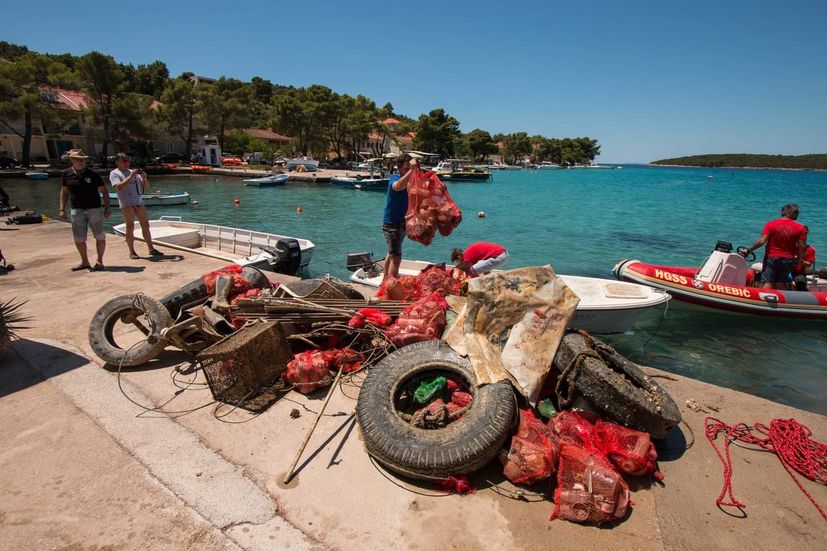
310	370
573	429
631	451
370	315
249	293
424	320
534	451
430	208
239	283
588	490
437	278
405	288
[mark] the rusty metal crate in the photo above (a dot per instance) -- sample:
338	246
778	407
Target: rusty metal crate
244	368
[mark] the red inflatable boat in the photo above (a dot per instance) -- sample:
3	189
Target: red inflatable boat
726	284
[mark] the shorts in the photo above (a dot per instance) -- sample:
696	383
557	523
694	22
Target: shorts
394	235
488	264
777	270
83	219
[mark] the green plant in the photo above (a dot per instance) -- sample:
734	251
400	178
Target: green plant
12	319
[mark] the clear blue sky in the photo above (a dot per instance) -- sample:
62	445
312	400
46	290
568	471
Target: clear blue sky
648	79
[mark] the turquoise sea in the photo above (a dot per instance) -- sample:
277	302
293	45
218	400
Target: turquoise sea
581	222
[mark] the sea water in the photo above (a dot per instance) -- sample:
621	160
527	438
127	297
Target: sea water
581	222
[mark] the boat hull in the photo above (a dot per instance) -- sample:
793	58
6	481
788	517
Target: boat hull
37	176
680	282
267	181
157	199
369	184
603	308
464	176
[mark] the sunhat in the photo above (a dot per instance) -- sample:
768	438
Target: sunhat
76	154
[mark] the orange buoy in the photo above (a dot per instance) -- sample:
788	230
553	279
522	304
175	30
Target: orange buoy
299	209
237	201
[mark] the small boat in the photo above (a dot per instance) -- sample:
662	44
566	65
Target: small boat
267	181
358	182
200	168
35	175
548	165
606	306
265	251
311	165
726	284
158	199
459	169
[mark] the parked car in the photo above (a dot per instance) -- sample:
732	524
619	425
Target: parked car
169	158
8	162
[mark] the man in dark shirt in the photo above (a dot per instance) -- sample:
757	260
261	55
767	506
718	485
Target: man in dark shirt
83	187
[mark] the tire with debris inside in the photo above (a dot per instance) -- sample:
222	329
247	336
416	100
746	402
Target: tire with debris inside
127	309
461	447
617	388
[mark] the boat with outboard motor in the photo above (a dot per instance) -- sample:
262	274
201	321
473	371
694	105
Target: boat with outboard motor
159	198
37	175
725	283
267	181
606	306
265	251
460	169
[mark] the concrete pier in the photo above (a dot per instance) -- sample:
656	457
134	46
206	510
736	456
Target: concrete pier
89	459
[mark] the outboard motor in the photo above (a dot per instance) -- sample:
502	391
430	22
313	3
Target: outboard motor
724	266
287	256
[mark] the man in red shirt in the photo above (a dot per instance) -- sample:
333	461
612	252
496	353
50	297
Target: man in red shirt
480	258
785	239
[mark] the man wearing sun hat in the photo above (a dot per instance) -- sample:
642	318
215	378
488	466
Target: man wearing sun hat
83	188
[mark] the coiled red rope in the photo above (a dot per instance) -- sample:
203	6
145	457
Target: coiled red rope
788	439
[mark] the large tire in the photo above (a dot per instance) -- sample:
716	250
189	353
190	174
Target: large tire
617	387
101	328
462	447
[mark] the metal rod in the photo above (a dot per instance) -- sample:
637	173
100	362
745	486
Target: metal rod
313	427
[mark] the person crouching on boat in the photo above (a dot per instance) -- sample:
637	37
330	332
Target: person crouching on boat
806	267
396	206
480	258
785	239
130	186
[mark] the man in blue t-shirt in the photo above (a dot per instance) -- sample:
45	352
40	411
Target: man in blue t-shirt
396	206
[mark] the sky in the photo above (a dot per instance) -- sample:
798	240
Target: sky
648	80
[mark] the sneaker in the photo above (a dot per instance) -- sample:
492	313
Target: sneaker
98	267
155	252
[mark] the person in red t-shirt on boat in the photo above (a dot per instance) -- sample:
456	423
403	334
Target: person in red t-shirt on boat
480	258
785	239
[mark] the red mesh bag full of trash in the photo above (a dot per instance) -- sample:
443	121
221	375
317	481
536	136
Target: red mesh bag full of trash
404	287
630	450
424	320
240	284
430	208
310	370
588	489
436	278
534	451
572	428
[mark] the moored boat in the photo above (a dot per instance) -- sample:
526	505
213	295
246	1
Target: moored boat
294	163
356	182
726	284
265	251
267	181
458	169
37	175
158	199
606	306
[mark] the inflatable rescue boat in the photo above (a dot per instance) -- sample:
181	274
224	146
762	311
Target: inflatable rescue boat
725	283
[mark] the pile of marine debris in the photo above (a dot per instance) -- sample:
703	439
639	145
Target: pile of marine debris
454	367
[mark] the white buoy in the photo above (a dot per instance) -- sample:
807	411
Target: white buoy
481	214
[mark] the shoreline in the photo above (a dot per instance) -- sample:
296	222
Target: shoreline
739	167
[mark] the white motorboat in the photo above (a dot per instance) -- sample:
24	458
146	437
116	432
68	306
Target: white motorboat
605	307
548	165
158	198
311	165
267	181
36	175
265	251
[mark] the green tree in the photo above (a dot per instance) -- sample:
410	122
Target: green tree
438	133
134	123
22	83
480	144
151	79
359	122
102	80
305	114
223	105
516	146
10	52
176	113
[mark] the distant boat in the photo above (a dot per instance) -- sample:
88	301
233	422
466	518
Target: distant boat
158	199
458	169
499	166
309	164
265	251
267	181
355	182
548	165
37	175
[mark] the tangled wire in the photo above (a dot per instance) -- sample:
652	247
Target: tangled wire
788	439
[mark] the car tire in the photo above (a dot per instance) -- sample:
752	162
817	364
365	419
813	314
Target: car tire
461	447
101	328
